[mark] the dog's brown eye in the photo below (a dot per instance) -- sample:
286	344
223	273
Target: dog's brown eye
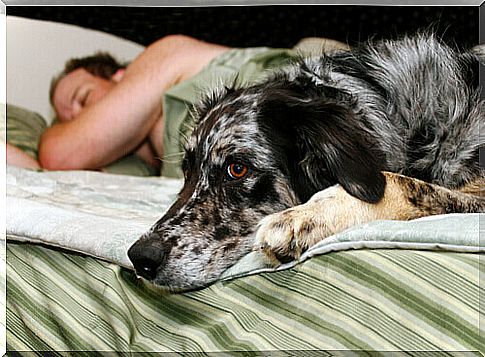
237	171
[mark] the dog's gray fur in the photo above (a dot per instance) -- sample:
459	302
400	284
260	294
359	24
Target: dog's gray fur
407	106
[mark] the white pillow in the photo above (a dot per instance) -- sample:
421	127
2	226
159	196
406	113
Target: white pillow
37	51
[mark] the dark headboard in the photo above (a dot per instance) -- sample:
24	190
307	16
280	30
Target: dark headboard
277	26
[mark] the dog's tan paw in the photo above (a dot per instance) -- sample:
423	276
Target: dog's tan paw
285	235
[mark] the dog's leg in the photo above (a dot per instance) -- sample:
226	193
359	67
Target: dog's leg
285	235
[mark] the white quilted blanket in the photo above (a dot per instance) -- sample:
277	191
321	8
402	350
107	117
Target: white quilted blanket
94	213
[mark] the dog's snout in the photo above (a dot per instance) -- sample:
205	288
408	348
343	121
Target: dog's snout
147	259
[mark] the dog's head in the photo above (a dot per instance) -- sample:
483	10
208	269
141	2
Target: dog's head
255	151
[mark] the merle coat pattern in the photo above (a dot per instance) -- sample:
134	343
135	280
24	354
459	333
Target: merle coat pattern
385	131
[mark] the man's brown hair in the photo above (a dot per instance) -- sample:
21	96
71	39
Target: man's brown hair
101	64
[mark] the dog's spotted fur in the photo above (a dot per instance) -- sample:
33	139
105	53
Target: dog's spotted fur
387	131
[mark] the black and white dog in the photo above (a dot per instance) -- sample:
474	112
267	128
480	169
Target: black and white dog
386	131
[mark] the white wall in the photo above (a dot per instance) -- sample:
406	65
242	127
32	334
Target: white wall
37	51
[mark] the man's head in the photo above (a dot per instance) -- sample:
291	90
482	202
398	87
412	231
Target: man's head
83	82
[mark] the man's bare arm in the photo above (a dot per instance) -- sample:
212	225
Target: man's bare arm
120	121
17	157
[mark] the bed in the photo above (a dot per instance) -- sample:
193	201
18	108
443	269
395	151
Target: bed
384	286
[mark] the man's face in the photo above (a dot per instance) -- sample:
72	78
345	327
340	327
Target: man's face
77	90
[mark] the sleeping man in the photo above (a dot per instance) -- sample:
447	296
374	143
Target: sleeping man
106	111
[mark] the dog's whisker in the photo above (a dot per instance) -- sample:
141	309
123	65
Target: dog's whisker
184	138
171	158
180	153
169	161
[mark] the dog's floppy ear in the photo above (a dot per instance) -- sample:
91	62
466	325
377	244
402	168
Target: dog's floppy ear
332	144
331	133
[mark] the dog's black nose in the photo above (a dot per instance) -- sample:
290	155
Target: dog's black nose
146	259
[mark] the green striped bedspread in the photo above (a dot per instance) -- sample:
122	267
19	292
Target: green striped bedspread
378	300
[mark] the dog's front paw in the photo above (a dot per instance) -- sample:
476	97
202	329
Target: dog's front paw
281	236
285	235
